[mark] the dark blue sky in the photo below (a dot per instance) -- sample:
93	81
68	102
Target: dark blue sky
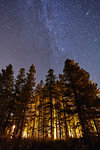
47	32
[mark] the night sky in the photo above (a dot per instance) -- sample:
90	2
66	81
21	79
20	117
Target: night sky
47	32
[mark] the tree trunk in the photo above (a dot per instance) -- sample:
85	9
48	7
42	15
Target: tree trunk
34	121
22	121
8	116
51	117
17	128
66	130
39	125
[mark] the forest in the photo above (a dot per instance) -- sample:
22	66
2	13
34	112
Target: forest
62	112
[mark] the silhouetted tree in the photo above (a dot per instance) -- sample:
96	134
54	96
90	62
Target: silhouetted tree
6	97
30	85
50	86
18	109
61	105
40	105
84	92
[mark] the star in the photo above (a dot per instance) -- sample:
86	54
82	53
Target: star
87	13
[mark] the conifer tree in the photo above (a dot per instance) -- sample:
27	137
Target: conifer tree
39	96
25	92
29	88
50	86
60	105
45	112
66	103
84	92
6	96
18	107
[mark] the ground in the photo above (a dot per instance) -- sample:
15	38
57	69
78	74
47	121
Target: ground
31	144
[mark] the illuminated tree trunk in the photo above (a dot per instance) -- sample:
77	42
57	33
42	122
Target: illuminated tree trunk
9	114
18	125
22	124
59	126
34	121
43	117
56	125
6	122
39	124
43	127
97	129
74	128
66	130
51	118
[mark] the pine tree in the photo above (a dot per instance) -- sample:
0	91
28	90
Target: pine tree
39	97
84	92
6	96
18	107
50	86
25	92
66	103
60	107
45	112
29	89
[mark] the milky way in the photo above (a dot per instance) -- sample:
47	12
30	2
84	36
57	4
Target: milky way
47	32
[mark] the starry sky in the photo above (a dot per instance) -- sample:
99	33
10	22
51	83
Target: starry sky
47	32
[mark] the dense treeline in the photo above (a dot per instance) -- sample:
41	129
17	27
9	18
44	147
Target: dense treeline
62	107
